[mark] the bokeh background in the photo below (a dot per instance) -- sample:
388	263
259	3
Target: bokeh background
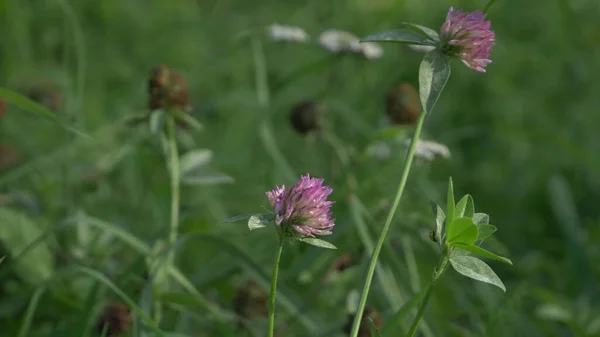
524	139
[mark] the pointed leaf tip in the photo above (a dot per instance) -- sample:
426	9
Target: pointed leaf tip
318	243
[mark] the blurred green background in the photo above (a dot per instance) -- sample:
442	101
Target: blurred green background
524	138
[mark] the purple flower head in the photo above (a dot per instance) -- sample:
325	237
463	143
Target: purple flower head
304	207
468	36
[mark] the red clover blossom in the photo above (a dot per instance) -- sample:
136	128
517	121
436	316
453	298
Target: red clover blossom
304	207
468	36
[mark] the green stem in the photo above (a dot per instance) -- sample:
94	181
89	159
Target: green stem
439	270
489	4
386	227
274	289
175	181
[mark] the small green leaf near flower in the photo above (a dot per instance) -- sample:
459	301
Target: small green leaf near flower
403	36
318	243
157	120
260	220
476	269
434	72
194	160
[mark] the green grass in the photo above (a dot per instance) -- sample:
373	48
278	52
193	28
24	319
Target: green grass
81	215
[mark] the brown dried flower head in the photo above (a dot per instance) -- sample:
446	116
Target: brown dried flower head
167	89
251	301
403	105
365	325
116	319
306	116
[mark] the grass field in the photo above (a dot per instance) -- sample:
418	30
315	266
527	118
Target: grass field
86	195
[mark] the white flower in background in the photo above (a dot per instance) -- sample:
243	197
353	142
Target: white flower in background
284	33
338	41
420	48
372	50
428	150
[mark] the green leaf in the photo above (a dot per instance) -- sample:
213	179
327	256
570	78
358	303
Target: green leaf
481	219
476	269
485	231
409	33
465	207
260	220
482	252
440	217
404	36
450	204
318	243
434	72
424	31
17	232
238	218
194	160
462	230
203	177
157	121
188	120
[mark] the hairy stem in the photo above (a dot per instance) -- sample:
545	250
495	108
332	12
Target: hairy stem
274	289
175	183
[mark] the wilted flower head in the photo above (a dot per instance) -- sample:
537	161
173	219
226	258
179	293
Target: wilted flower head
304	208
167	89
427	149
305	117
284	33
403	105
338	41
468	36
